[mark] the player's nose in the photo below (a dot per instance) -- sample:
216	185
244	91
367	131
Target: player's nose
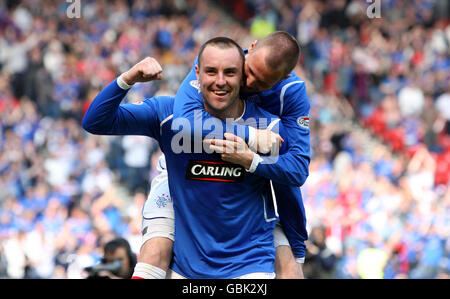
250	81
220	80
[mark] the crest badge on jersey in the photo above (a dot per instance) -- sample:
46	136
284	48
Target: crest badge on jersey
162	200
303	121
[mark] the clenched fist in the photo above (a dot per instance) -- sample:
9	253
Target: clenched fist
146	70
267	141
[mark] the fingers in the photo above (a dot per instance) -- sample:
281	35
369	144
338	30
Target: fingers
233	149
146	70
151	69
279	140
233	137
218	146
275	138
237	145
267	141
275	143
230	136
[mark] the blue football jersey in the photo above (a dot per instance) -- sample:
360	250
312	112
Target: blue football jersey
224	215
287	99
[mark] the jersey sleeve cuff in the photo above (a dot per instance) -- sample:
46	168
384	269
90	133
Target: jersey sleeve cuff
122	83
255	162
252	138
300	260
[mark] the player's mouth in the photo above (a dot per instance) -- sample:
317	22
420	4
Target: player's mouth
220	93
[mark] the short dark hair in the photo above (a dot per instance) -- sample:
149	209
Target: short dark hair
116	243
283	51
221	42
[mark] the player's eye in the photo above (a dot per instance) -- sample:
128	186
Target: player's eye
230	72
210	71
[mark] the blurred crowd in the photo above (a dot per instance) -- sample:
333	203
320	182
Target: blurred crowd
377	199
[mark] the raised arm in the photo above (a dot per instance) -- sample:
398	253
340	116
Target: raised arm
106	116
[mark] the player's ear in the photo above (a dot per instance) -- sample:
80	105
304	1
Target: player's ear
253	45
197	71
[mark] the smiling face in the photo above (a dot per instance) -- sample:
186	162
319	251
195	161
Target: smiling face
219	73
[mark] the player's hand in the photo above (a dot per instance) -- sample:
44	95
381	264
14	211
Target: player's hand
232	149
267	141
145	70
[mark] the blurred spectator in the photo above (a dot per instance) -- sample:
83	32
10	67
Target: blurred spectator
137	159
321	260
264	21
3	264
411	101
118	261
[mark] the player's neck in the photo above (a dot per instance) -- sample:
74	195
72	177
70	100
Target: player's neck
234	111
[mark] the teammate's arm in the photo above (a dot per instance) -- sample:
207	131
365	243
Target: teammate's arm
290	208
294	163
291	167
234	149
296	160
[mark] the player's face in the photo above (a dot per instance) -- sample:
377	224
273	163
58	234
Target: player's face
258	76
220	77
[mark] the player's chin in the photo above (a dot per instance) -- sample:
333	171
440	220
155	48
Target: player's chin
217	105
219	100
